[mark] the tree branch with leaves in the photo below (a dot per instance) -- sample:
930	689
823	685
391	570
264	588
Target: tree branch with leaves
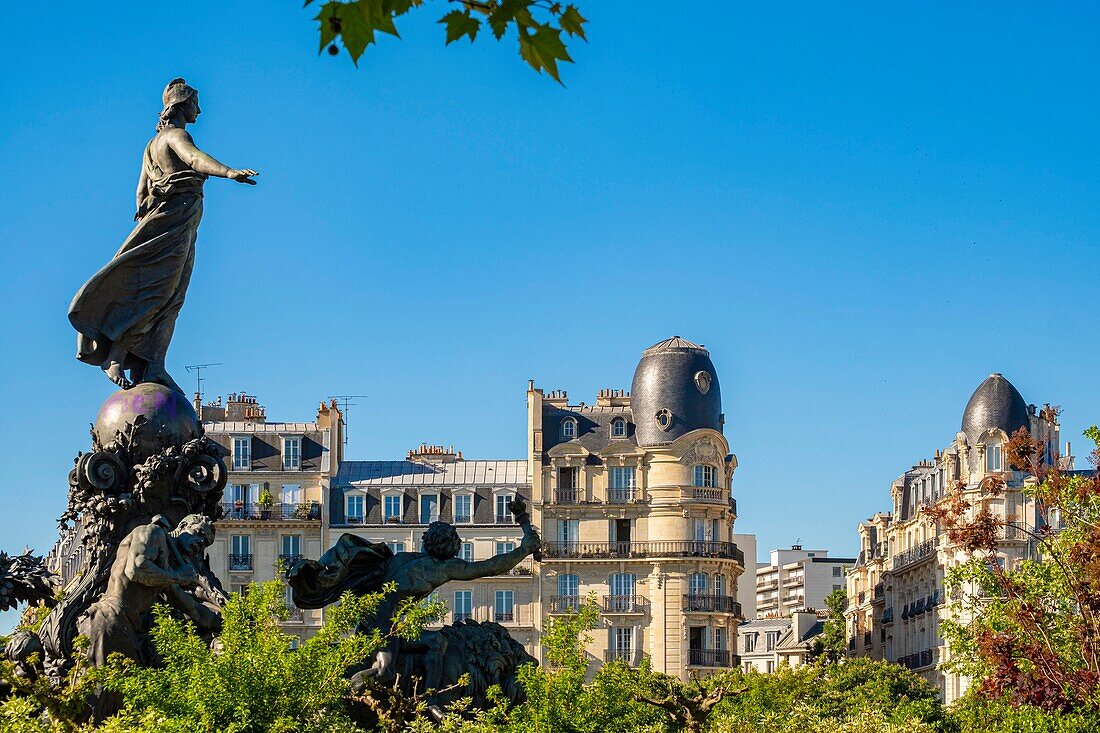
538	25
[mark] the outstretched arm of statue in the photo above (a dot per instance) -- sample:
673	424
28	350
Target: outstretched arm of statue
183	146
141	565
458	569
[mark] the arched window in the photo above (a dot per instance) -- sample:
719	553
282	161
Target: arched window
618	428
569	428
993	457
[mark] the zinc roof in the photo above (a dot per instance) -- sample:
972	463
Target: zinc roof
421	473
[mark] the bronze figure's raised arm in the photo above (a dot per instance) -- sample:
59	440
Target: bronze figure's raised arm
126	314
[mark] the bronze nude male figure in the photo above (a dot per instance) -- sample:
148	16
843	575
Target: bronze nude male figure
126	313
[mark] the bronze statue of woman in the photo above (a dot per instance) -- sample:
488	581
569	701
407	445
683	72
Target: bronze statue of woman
125	315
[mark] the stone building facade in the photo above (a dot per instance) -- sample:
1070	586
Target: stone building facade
896	590
279	473
633	497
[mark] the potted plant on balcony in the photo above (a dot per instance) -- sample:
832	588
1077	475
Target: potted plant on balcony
266	502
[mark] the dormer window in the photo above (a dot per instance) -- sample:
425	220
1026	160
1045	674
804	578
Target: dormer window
618	428
569	428
705	476
993	458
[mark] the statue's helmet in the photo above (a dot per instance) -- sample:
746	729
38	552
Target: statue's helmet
177	92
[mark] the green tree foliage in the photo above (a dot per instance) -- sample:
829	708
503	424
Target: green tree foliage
1030	635
855	695
829	644
539	26
253	680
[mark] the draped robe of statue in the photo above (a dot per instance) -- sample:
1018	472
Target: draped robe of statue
135	299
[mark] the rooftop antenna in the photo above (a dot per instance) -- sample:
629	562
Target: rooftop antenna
346	400
197	368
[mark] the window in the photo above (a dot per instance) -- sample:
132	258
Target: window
240	556
503	548
719	636
569	428
622	592
356	504
719	584
705	476
464	605
622	643
467	552
292	453
569	585
618	428
697	584
621	483
769	666
567	478
837	570
242	454
504	609
396	546
429	508
503	511
291	498
292	546
704	530
837	587
770	640
569	530
391	507
463	508
993	458
750	643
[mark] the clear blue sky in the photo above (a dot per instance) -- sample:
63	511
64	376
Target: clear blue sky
862	209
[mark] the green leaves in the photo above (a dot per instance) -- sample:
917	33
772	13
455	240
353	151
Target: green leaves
460	24
538	25
543	49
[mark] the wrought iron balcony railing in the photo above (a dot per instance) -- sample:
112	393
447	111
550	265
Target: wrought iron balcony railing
309	511
631	550
565	604
623	603
706	603
240	562
708	658
567	496
628	656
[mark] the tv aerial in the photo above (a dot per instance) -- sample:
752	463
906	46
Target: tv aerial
345	401
197	369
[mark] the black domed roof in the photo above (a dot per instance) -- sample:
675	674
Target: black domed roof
675	390
994	404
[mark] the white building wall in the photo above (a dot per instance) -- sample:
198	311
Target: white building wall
746	584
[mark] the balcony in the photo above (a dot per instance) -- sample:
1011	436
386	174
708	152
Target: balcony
888	615
708	658
703	603
396	519
463	519
623	604
640	550
504	617
304	512
767	585
240	562
504	519
568	496
295	615
289	560
622	496
917	554
918	660
879	593
630	657
460	616
710	494
565	604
